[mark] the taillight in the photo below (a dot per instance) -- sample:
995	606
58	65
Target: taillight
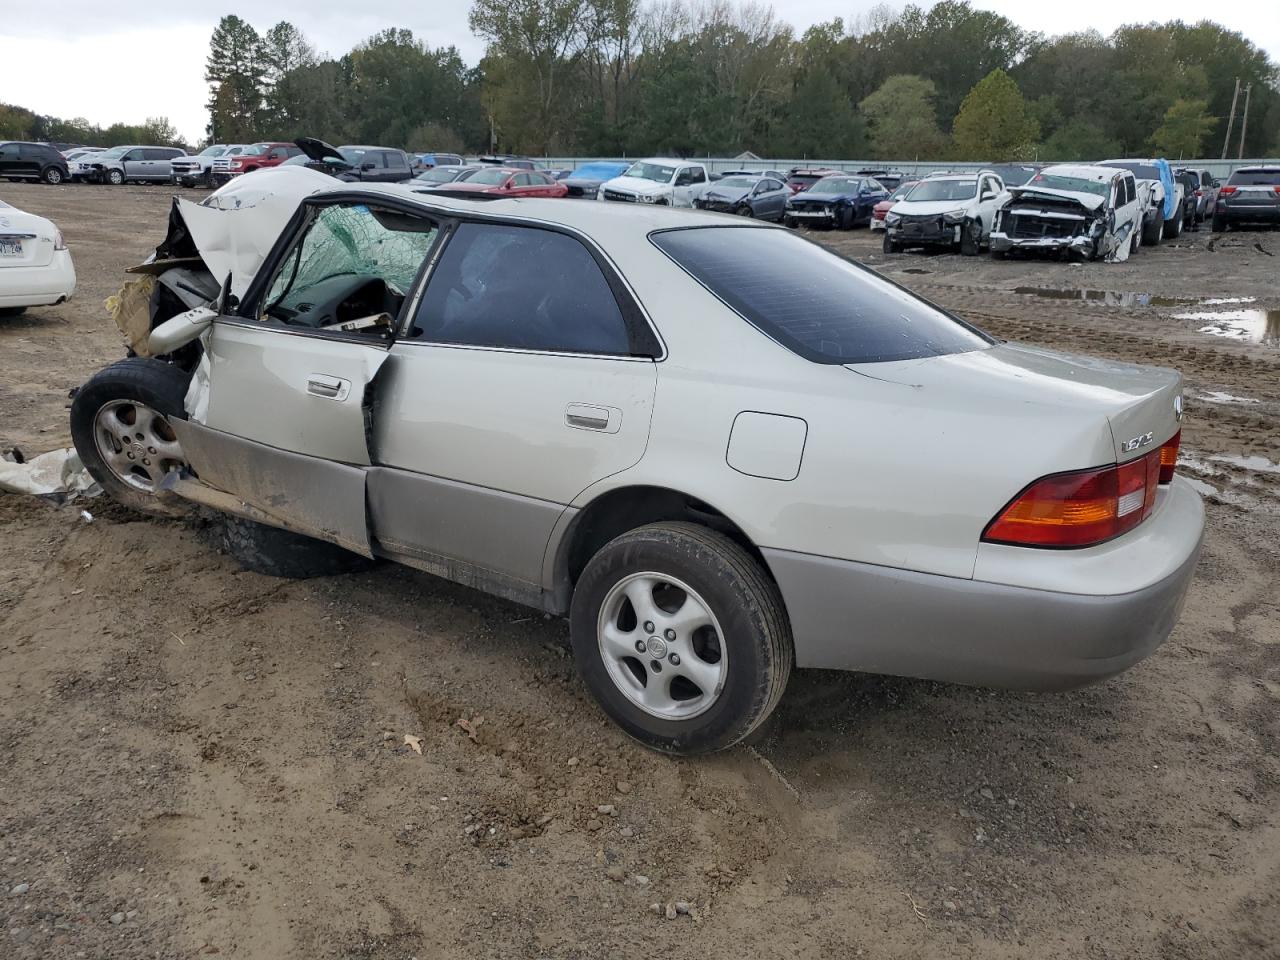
1169	457
1081	508
1226	191
58	242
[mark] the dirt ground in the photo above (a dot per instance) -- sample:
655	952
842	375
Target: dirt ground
196	760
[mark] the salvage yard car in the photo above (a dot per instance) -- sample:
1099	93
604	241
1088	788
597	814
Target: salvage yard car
674	183
952	210
747	196
720	450
1250	195
257	156
1086	212
131	164
586	180
838	201
1162	212
32	161
35	264
884	206
197	169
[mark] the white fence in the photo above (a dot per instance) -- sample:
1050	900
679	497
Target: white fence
1219	168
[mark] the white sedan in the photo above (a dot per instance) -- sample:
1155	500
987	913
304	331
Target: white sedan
719	449
35	264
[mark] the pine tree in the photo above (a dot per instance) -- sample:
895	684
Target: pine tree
236	70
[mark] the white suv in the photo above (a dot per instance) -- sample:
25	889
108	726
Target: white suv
950	210
675	183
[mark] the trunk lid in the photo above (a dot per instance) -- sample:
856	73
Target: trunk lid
1141	405
25	240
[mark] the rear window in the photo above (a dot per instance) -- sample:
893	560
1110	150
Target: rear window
814	303
1255	178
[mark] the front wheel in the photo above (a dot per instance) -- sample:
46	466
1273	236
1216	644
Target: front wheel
889	245
1173	228
681	637
115	177
743	210
1152	232
120	425
971	238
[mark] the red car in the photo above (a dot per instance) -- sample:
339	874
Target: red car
800	179
508	182
883	207
257	157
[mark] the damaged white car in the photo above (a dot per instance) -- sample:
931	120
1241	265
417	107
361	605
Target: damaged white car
720	450
1082	211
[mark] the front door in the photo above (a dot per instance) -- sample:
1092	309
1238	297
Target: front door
281	421
526	375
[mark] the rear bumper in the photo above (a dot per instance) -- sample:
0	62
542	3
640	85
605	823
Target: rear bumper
38	286
1253	213
856	616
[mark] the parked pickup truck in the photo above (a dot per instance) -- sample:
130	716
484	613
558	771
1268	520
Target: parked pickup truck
1162	217
675	183
258	156
197	169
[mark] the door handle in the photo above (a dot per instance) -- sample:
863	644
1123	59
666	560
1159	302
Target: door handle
589	416
330	388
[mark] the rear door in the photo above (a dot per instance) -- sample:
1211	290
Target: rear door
282	419
30	156
525	375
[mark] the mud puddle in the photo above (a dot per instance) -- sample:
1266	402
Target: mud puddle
1250	325
1116	298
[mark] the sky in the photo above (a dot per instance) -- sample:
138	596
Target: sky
88	61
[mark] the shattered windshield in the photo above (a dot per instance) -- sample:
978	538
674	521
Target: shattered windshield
656	172
944	190
355	240
1075	184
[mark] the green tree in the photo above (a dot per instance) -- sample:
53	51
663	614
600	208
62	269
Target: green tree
994	122
1186	124
900	116
1078	139
236	70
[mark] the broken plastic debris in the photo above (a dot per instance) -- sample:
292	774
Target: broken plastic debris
414	743
86	516
58	474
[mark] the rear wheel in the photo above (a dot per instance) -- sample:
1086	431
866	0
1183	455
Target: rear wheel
971	238
120	424
283	553
52	176
681	637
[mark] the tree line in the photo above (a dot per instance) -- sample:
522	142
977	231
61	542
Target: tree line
699	77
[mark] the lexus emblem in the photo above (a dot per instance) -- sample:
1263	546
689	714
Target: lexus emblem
1177	407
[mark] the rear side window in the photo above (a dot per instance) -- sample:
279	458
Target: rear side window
1255	178
521	287
815	304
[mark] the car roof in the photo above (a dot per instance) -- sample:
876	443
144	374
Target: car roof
1084	171
365	146
1260	168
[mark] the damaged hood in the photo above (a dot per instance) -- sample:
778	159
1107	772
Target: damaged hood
318	149
234	228
1090	201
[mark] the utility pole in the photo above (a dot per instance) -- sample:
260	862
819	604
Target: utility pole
1226	143
1244	120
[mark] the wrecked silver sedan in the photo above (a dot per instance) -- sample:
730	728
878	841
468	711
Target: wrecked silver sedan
1085	212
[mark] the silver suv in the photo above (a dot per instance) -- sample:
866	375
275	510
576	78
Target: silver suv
132	164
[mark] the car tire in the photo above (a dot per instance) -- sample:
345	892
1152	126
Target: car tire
744	645
114	177
1219	224
790	222
274	552
743	210
971	238
889	245
52	175
1173	228
12	311
999	254
135	397
1152	232
1135	243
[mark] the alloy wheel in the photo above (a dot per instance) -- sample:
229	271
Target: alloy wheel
662	646
136	443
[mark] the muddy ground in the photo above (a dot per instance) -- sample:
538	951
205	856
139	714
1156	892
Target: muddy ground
196	761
